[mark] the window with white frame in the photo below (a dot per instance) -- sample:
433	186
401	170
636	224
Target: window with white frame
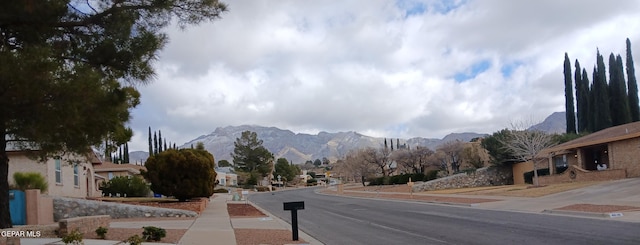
75	175
58	167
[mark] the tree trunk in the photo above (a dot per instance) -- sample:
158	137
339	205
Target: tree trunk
5	217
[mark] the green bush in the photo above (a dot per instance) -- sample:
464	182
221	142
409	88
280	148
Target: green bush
220	190
101	232
30	180
183	174
402	179
74	237
125	186
134	240
431	175
312	182
262	188
152	233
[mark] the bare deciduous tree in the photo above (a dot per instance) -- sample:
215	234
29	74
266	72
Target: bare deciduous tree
526	144
452	152
380	158
412	160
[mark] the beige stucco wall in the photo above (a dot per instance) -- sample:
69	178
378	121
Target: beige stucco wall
625	155
518	172
19	162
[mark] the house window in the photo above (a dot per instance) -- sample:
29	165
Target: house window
75	175
58	171
110	175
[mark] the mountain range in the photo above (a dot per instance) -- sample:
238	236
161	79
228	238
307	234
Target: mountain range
299	148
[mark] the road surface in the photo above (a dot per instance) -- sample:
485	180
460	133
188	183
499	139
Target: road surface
345	220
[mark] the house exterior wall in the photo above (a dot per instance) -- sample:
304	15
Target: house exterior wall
518	171
19	162
625	155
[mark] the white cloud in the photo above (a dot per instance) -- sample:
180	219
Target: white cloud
371	67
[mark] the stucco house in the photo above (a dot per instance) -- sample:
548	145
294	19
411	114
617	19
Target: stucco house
67	175
226	176
106	171
618	147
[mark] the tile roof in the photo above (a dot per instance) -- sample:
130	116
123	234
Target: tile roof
612	134
109	166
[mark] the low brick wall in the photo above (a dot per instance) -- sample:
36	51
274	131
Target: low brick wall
64	208
488	176
196	205
576	174
85	225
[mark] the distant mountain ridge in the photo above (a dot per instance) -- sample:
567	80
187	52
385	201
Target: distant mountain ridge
298	147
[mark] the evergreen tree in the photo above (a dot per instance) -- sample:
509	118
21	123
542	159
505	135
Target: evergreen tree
73	65
155	144
159	141
126	153
150	143
119	154
165	144
581	99
602	112
592	106
634	104
568	95
619	103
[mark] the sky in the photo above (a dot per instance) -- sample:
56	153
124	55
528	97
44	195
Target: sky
396	69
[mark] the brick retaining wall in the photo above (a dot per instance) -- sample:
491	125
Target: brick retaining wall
64	208
576	174
85	225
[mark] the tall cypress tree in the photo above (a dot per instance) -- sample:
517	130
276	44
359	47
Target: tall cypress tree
618	102
602	112
584	103
126	152
568	97
160	141
155	143
634	104
150	143
580	103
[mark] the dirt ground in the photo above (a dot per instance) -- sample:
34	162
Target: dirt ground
258	236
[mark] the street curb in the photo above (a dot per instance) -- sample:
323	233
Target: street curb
586	214
309	239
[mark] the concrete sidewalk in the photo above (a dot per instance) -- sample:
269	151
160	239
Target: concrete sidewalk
213	226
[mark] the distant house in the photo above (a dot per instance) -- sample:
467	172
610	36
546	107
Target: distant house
108	170
67	175
618	147
226	176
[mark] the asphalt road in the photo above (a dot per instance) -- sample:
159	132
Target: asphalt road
345	220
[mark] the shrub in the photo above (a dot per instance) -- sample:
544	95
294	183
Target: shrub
30	180
74	237
431	175
101	232
134	240
312	182
152	233
125	186
183	174
262	188
220	190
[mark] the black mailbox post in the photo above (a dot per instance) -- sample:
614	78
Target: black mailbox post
294	207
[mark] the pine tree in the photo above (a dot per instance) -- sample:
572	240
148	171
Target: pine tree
602	112
568	95
634	104
165	144
592	100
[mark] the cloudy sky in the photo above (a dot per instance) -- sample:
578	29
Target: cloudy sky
381	68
